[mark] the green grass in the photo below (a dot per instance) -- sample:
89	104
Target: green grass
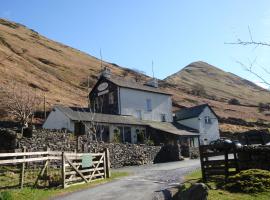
43	194
220	194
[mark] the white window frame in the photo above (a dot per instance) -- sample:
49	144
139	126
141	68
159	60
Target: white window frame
207	120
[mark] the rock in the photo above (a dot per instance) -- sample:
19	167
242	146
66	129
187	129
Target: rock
198	191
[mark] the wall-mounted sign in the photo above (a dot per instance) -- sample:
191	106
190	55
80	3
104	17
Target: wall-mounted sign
102	86
103	92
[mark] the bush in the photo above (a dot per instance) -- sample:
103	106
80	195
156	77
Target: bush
198	90
117	136
249	181
263	107
5	196
234	101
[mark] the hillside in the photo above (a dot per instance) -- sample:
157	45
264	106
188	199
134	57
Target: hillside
219	84
62	73
59	71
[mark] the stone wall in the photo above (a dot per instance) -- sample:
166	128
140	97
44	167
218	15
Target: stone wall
120	154
254	157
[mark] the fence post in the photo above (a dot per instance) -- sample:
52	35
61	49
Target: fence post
201	150
63	170
48	165
226	165
22	170
107	162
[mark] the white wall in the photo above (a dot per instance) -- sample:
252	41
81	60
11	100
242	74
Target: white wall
210	132
133	100
58	120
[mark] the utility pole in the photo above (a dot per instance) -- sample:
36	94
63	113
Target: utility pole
153	69
44	106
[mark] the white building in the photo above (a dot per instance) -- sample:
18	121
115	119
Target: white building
131	108
202	118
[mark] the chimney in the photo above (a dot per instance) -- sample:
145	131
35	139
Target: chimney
106	72
153	82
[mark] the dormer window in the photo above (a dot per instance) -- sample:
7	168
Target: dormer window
207	120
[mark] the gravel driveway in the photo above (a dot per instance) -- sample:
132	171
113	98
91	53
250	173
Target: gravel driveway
141	185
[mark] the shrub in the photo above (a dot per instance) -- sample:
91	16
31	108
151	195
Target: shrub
116	136
198	90
234	101
149	142
263	107
140	136
5	195
249	181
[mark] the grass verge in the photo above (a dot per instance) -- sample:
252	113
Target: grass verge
43	194
219	194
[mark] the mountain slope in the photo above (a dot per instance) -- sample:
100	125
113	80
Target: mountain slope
63	73
28	58
219	84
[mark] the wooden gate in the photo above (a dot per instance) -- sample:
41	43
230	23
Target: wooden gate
217	163
78	168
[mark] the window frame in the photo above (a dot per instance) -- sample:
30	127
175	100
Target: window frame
207	120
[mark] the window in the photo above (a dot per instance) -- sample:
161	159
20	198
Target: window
163	117
97	103
207	120
149	105
111	98
139	114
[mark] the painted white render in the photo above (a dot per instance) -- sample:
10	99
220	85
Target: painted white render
208	132
58	120
134	102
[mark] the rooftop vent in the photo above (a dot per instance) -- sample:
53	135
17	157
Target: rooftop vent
152	82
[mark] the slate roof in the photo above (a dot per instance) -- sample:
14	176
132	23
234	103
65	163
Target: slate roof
172	128
188	113
134	85
83	114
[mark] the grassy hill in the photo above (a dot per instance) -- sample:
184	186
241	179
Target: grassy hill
219	84
62	74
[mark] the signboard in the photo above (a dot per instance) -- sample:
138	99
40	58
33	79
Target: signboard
103	92
103	86
87	161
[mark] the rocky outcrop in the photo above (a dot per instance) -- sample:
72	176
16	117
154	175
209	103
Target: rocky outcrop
197	191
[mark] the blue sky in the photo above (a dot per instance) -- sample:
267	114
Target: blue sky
172	33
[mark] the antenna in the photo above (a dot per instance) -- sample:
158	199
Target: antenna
101	61
153	69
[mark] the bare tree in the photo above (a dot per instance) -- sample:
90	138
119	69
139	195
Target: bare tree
21	102
250	67
87	116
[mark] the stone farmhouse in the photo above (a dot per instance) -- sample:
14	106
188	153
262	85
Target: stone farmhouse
127	111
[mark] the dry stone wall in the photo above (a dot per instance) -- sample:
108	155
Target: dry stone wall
120	154
254	157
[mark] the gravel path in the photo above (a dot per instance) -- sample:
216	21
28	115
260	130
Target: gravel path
141	185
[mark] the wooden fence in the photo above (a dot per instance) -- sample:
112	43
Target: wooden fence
76	168
217	162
